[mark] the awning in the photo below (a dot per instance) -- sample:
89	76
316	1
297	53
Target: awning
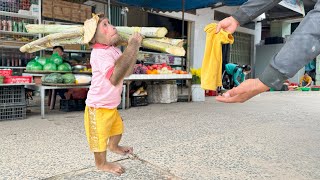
175	5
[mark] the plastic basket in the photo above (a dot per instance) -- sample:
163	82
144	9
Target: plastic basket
305	89
139	101
12	95
72	105
13	112
17	79
5	72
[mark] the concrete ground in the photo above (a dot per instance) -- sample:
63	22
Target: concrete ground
274	136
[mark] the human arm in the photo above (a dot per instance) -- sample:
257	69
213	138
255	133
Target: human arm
309	82
245	91
302	46
243	77
124	65
300	82
235	77
247	12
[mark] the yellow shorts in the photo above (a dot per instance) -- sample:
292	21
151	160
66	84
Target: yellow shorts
100	124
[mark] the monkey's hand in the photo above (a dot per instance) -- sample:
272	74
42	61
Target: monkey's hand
135	40
124	65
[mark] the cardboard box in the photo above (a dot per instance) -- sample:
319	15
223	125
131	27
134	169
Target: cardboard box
72	47
47	2
57	10
47	12
66	3
85	7
76	19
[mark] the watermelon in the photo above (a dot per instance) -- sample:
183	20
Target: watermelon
55	58
68	78
34	66
64	67
42	60
50	67
52	78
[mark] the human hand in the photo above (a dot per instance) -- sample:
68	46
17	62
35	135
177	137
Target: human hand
245	91
228	24
135	39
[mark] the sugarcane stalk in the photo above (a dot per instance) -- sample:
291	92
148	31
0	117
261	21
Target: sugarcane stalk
159	32
163	47
51	28
49	40
175	42
150	43
57	42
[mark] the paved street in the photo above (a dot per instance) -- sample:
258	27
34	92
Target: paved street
274	136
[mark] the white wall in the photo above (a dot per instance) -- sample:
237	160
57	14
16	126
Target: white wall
199	21
202	18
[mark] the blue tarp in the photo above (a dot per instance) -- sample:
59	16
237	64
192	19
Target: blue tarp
176	5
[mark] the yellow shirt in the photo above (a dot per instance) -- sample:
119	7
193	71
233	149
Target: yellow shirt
211	71
307	79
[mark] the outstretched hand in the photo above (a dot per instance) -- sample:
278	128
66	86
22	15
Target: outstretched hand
228	24
245	91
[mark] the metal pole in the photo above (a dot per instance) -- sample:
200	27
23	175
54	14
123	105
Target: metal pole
109	11
182	36
40	20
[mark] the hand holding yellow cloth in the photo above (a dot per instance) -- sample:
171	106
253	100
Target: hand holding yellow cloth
211	71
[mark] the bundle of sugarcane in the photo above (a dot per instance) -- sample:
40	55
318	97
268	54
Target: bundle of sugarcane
74	34
156	44
60	35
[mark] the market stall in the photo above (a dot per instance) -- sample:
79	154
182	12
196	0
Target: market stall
13	102
41	30
156	77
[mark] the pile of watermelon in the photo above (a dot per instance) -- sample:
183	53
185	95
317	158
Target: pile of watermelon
57	78
54	63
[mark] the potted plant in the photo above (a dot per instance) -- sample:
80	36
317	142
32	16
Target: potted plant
198	94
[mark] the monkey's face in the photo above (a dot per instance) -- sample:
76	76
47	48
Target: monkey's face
106	33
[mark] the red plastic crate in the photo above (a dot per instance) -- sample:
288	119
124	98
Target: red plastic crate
5	72
211	93
17	79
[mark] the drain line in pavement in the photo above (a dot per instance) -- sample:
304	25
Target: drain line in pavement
168	174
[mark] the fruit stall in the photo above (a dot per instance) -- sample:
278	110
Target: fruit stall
27	59
53	73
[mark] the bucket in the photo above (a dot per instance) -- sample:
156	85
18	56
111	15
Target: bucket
198	94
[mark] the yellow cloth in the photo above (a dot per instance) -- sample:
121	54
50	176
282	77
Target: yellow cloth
307	79
211	71
100	124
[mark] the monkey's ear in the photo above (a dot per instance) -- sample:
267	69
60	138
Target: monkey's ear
100	15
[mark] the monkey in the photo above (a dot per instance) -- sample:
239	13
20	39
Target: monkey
103	123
